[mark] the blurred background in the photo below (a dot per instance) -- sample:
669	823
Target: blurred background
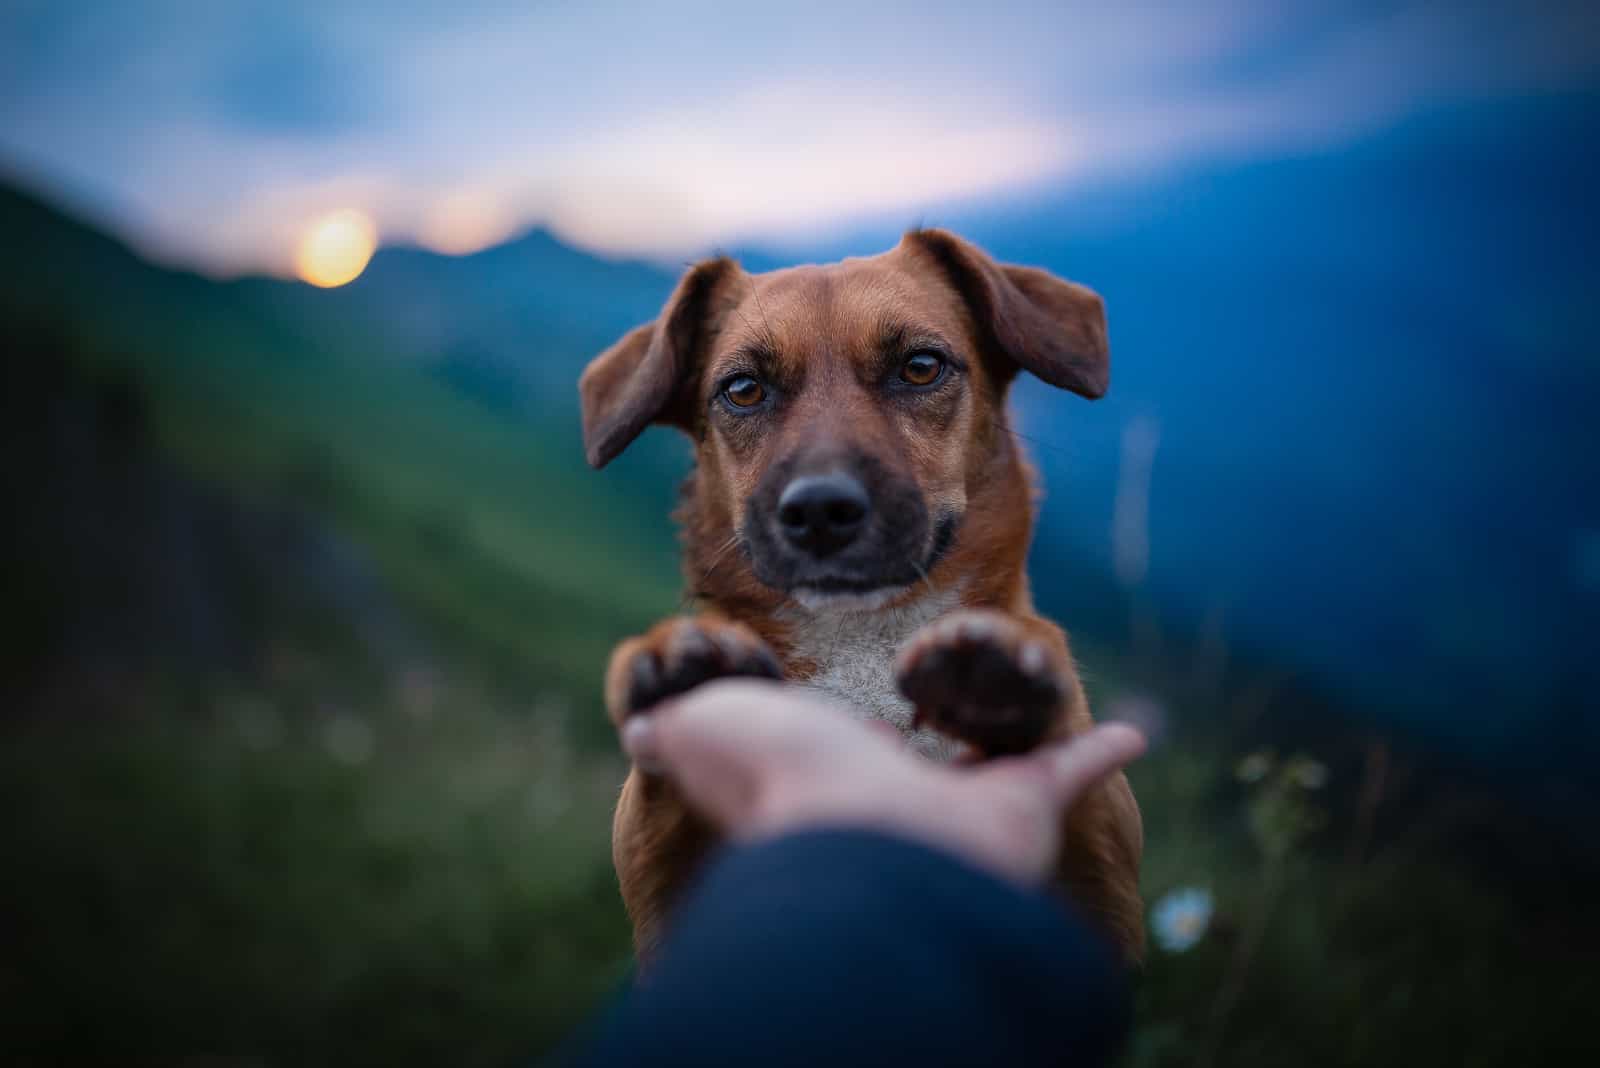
308	590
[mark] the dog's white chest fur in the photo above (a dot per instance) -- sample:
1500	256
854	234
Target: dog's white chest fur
854	647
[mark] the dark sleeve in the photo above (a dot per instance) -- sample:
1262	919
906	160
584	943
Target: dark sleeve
841	948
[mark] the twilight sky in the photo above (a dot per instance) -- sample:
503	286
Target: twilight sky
213	134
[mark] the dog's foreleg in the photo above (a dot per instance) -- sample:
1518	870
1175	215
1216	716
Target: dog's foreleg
1003	684
656	841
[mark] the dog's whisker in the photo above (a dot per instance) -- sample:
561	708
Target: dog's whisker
926	581
746	320
771	338
716	561
765	334
1009	429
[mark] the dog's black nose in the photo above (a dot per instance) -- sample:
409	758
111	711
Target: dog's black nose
823	513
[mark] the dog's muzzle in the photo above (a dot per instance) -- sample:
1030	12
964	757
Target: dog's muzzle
848	524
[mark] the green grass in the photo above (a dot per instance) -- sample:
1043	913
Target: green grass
281	876
1403	957
485	522
488	527
306	886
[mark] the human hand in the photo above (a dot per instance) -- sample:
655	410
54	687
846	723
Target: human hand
759	759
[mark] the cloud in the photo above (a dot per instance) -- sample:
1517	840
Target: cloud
286	78
783	159
212	134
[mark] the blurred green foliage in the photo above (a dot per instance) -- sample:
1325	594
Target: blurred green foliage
485	523
299	887
1318	955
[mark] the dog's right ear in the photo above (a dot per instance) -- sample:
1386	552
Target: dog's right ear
1052	328
644	377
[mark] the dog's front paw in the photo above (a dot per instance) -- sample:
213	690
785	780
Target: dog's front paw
679	654
980	677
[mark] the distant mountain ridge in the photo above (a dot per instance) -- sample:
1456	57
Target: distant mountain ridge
497	305
484	524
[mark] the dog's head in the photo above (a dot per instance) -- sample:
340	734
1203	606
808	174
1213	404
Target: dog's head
845	417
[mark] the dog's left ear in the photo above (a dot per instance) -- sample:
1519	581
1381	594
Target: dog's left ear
1039	323
641	379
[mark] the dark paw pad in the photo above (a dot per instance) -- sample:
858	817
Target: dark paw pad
693	654
979	679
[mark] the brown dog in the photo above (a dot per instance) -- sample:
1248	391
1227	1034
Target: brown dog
857	521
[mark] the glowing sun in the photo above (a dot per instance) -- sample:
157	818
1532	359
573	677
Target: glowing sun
335	248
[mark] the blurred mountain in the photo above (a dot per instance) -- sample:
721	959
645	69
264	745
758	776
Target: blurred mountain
115	560
488	322
1371	371
480	523
1374	375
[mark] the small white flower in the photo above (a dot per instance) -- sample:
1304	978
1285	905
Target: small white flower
1180	919
419	693
1309	774
1254	767
348	739
257	721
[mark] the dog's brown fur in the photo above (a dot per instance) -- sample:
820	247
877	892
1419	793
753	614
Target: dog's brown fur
821	336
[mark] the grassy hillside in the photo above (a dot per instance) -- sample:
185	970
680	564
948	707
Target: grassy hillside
302	660
484	520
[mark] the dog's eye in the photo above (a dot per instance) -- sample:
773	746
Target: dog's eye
921	369
744	392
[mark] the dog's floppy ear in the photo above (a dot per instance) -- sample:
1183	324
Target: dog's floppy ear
1041	324
641	379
